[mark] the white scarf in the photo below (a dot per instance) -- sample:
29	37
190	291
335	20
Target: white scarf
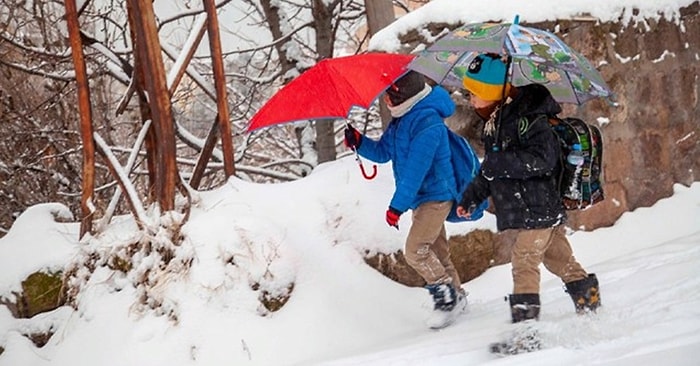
403	108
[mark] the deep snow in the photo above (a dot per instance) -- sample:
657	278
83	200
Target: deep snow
313	233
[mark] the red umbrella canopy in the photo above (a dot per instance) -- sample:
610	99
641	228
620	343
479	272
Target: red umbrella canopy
330	89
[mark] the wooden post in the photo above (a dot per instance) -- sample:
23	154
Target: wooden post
84	107
148	46
139	87
222	116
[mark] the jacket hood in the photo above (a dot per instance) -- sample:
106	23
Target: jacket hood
535	99
439	100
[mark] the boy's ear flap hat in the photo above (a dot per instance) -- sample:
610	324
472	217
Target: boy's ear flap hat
485	77
405	87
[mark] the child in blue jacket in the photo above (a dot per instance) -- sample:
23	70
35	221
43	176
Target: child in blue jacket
416	142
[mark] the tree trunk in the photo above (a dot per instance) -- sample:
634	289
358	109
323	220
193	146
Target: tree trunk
287	63
325	38
380	13
272	15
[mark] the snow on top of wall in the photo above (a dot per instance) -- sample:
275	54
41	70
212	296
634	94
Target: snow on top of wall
451	12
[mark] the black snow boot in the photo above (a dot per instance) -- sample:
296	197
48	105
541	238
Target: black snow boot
524	307
449	304
444	296
525	310
585	293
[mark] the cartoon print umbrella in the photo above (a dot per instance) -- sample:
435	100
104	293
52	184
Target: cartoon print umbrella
331	88
535	56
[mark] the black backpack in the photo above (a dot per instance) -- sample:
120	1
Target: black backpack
581	185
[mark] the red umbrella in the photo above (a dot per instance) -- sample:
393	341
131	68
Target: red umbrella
331	88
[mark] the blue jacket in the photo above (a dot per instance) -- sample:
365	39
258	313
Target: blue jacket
418	147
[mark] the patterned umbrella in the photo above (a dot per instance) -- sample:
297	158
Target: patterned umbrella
536	56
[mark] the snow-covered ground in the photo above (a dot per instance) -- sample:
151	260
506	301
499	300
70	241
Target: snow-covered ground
244	239
313	233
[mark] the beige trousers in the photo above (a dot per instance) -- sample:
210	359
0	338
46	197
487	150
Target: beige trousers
426	249
549	246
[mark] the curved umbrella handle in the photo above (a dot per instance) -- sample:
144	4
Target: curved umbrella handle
362	167
364	173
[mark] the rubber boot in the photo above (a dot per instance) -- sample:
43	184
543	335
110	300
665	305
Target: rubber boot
524	307
525	310
585	293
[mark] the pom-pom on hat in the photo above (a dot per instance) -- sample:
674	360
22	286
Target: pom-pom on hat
405	87
485	77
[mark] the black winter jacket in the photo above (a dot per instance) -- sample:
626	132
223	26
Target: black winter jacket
520	166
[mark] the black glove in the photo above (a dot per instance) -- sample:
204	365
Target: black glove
353	138
466	208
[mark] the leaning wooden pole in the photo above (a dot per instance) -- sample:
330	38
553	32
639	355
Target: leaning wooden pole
84	107
138	84
204	156
220	83
148	46
188	51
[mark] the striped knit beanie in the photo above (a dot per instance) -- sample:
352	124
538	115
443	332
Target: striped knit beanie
485	77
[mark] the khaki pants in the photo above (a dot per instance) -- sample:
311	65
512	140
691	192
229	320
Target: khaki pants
548	246
426	248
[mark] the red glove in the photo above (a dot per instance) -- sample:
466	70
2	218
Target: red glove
392	217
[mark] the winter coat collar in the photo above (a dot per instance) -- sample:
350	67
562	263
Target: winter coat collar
403	108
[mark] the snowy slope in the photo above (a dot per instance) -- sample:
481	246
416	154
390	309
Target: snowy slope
312	233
